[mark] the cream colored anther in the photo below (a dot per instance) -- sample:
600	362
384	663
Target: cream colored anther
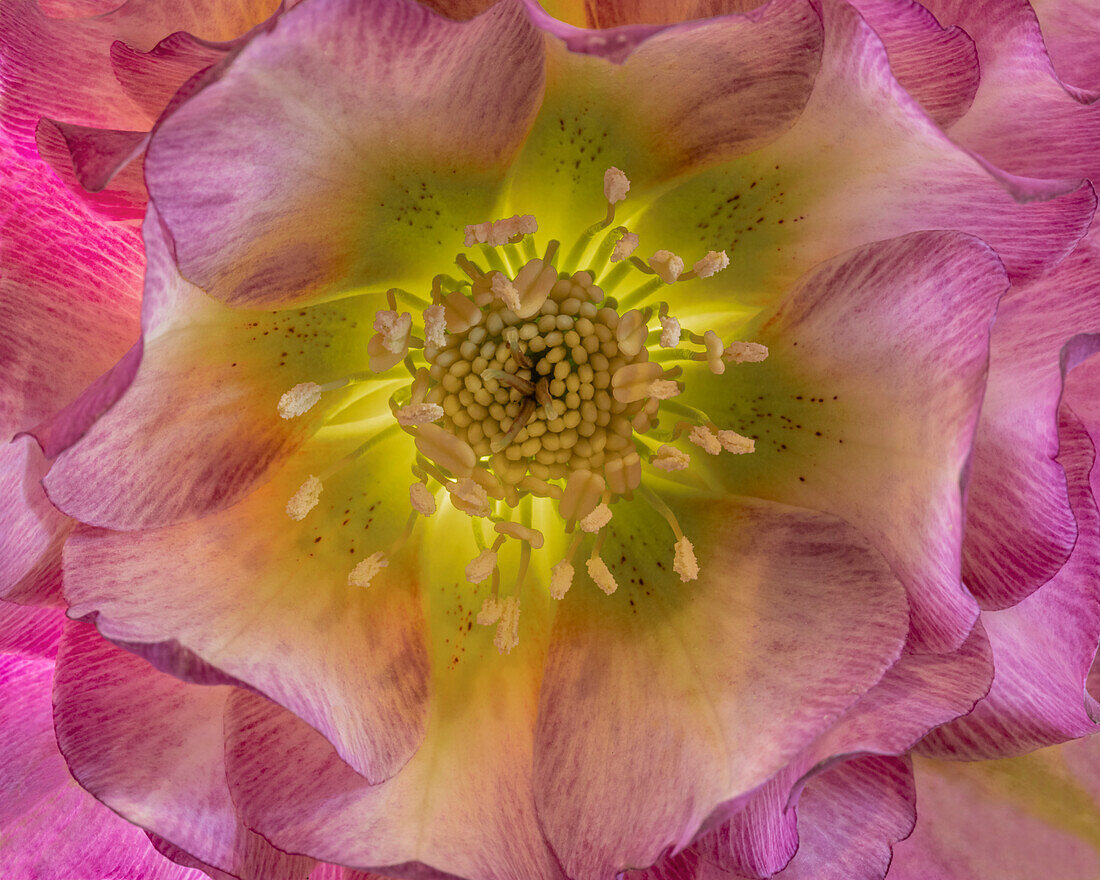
583	490
490	612
745	352
533	283
468	497
714	352
418	414
667	265
601	574
624	474
684	563
521	533
711	264
596	520
561	579
705	439
481	567
624	247
497	232
736	443
507	636
631	332
460	312
435	326
615	185
506	292
445	449
632	382
390	344
669	458
299	400
367	569
421	499
664	389
670	332
305	499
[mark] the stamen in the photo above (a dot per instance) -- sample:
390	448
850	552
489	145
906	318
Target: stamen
422	499
615	185
490	612
669	458
435	326
713	263
507	636
499	232
445	449
597	519
745	352
582	493
479	569
632	382
601	574
299	400
684	563
561	579
670	331
624	247
706	439
667	265
468	497
394	330
305	499
365	571
664	389
533	537
736	443
506	291
418	414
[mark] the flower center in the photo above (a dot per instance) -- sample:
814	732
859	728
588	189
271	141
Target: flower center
530	381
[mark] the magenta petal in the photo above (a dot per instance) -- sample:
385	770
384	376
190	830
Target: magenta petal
151	748
315	217
32	532
850	817
937	66
1020	529
1071	32
764	651
98	154
50	827
1044	646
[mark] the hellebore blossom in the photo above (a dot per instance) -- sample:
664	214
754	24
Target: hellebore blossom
583	449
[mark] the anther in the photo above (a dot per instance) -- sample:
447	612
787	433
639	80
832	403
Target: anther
713	263
305	499
684	563
365	571
633	381
669	458
468	497
435	326
737	444
490	612
706	439
615	185
670	331
421	499
506	291
664	389
498	232
745	352
667	265
601	574
479	569
597	519
507	635
624	247
561	579
418	414
299	400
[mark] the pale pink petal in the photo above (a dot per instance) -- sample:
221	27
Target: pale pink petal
462	806
1071	32
1022	119
32	532
199	426
270	203
937	66
1044	646
265	601
1013	819
152	748
862	162
849	819
50	827
1019	527
733	675
872	419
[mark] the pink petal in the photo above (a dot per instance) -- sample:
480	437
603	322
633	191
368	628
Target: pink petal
51	827
683	99
733	675
1044	646
198	427
849	819
1014	819
32	532
152	748
937	66
871	418
861	163
1071	32
461	807
265	601
316	218
1022	119
151	78
1020	529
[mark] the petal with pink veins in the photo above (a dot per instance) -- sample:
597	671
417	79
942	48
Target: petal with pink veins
152	749
871	419
1071	32
422	118
793	617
